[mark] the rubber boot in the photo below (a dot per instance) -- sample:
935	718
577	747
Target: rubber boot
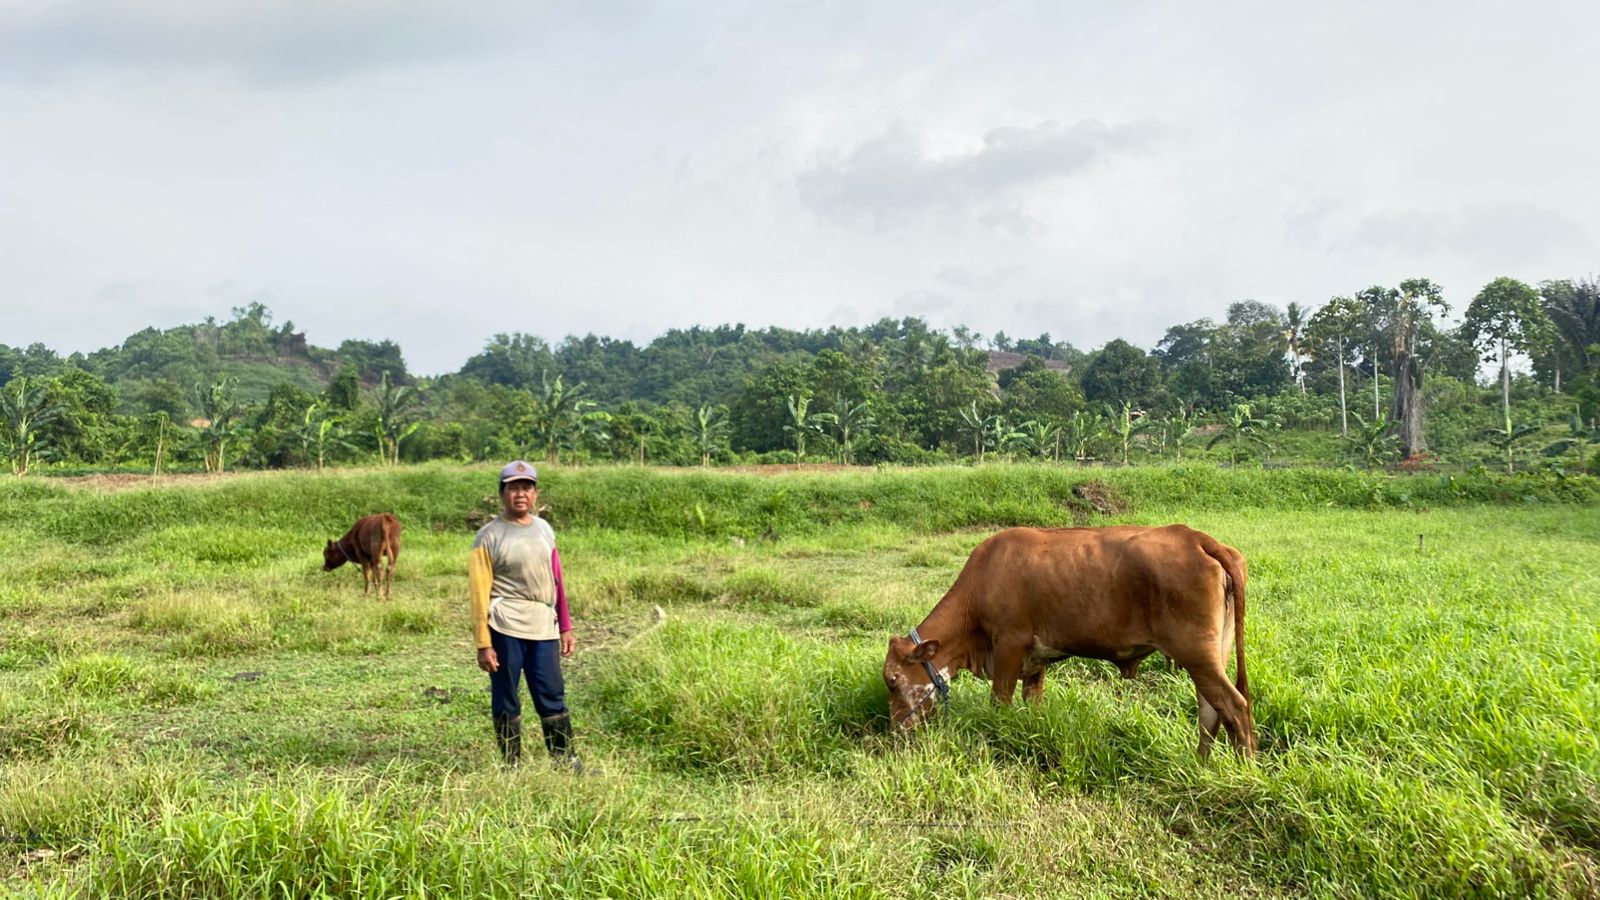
508	734
558	740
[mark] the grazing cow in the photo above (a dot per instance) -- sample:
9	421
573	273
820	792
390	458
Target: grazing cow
1030	596
366	544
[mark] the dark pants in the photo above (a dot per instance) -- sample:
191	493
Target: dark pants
540	661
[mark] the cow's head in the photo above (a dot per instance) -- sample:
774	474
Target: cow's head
912	693
332	557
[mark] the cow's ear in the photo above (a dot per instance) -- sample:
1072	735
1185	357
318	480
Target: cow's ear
924	651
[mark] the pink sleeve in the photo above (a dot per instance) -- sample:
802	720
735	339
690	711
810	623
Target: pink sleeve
563	618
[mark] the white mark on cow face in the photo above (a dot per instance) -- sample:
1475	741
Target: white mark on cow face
913	700
911	692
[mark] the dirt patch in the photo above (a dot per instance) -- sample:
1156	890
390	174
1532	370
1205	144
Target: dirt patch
1098	497
791	468
124	481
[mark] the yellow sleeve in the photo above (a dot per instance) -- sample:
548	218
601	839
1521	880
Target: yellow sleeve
480	577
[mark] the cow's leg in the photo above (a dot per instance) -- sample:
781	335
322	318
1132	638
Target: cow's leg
394	557
1230	706
1033	686
366	579
1005	669
1210	721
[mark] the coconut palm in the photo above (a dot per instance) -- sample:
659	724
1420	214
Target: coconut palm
1295	319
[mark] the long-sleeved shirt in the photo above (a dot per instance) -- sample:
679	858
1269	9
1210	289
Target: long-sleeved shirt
515	582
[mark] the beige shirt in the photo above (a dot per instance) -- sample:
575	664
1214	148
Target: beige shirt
512	581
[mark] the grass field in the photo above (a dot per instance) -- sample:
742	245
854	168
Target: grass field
189	707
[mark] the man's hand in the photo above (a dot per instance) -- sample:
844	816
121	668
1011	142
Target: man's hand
568	643
487	660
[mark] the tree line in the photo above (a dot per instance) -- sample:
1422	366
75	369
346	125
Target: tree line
248	393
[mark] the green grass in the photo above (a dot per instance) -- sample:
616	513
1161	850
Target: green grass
190	707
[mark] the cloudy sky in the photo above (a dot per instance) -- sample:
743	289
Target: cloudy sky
434	173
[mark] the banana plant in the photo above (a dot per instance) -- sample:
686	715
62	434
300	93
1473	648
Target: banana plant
24	412
219	408
1506	442
1081	431
1579	439
802	422
1034	439
1241	428
1371	442
982	428
711	431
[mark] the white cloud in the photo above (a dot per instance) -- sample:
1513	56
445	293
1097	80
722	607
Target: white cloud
434	174
894	179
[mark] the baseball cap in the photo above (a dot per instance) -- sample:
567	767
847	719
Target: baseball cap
518	471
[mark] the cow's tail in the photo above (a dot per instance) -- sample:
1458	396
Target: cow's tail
1232	562
391	538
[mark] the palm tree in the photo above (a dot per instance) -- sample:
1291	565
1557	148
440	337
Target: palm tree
1574	309
25	412
1295	318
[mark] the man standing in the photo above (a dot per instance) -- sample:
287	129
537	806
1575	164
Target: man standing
519	617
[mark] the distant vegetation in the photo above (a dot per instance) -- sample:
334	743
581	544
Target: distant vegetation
1370	380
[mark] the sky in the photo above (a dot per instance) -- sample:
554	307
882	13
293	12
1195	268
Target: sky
436	173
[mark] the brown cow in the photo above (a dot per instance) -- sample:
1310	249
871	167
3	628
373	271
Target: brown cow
366	544
1030	596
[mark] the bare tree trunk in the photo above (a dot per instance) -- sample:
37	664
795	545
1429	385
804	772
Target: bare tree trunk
1377	410
1406	411
1505	386
1344	414
161	443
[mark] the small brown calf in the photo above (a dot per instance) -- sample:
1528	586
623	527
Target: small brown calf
366	544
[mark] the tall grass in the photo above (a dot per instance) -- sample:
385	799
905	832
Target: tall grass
719	504
190	707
